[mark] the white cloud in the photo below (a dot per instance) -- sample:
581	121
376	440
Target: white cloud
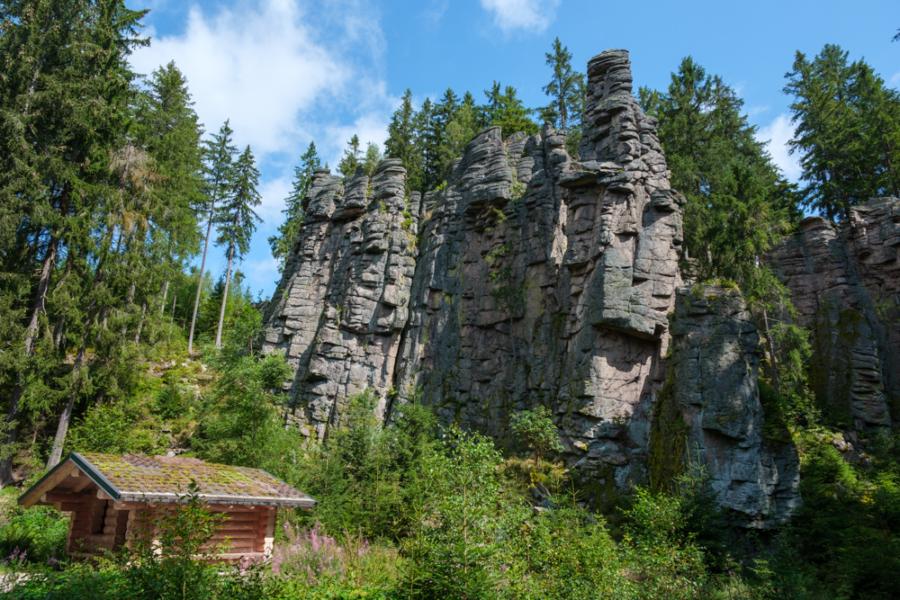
776	136
525	15
273	193
259	274
260	68
282	74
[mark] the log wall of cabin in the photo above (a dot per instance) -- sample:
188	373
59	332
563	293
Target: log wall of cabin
243	530
96	525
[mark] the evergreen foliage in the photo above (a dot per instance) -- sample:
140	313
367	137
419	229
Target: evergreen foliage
847	131
352	159
565	88
284	241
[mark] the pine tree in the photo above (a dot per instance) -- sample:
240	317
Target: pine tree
504	109
372	158
401	142
64	98
566	89
283	243
236	221
170	132
460	130
847	131
352	159
218	172
738	206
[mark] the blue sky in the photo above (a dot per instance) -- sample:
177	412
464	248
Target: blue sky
289	71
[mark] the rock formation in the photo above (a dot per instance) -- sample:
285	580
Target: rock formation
845	284
339	312
530	278
752	469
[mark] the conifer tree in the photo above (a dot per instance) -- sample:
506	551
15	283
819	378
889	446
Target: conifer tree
461	128
352	158
738	206
64	97
401	142
566	89
434	138
218	173
847	131
284	241
504	109
372	158
170	132
236	221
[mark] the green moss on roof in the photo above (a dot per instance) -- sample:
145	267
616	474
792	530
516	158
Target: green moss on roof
133	474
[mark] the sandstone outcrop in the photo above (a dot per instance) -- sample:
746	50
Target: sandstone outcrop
845	284
340	311
531	278
714	369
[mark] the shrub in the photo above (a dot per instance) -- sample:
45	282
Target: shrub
535	429
36	534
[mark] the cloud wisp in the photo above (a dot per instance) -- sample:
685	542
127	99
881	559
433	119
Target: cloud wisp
776	136
532	16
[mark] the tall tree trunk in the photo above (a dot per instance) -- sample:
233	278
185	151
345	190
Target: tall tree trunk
37	308
140	327
199	285
165	295
224	296
37	305
62	427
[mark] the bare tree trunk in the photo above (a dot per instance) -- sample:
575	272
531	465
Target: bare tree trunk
165	295
62	428
37	308
199	285
140	327
224	297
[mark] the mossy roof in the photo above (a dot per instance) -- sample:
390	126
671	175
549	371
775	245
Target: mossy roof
137	478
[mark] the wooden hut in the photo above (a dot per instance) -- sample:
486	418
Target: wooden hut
112	499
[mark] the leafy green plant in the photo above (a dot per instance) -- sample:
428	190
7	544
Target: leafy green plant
36	535
536	431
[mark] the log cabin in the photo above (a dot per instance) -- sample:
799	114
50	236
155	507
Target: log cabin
113	499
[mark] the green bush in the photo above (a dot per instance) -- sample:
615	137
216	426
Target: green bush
36	534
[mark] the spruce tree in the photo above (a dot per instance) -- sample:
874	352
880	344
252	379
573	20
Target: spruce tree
847	131
218	174
352	158
372	157
64	106
170	132
566	89
236	221
461	128
504	109
738	206
401	142
283	243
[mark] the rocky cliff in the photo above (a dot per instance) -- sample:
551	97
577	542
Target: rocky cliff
531	278
845	284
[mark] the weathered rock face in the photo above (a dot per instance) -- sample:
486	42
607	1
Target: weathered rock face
845	284
545	280
538	279
339	311
713	385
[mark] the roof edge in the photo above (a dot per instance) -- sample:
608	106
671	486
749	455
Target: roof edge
96	475
171	497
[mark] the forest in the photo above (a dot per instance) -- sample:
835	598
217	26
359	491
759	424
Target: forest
114	337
